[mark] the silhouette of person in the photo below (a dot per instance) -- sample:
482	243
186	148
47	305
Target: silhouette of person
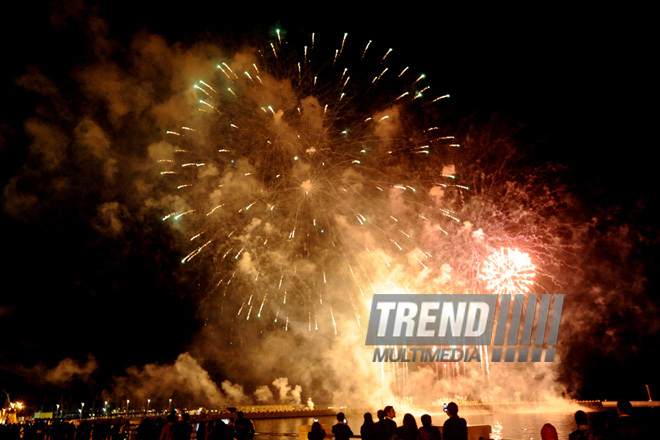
317	432
218	430
455	427
341	430
379	427
200	432
582	430
167	433
144	429
548	432
243	427
389	425
625	426
208	430
367	428
182	429
427	431
408	430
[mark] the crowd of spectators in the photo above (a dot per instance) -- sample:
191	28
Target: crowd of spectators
173	427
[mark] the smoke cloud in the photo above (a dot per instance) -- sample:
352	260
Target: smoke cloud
61	375
97	152
185	379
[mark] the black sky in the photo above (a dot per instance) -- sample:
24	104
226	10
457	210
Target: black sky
579	79
579	82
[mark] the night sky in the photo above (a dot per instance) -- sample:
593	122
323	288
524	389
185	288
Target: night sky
574	86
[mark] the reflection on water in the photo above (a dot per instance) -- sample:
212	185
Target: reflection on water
504	425
523	426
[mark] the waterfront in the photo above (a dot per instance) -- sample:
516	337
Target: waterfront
504	425
506	422
513	424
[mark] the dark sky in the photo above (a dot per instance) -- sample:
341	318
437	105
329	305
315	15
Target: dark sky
579	82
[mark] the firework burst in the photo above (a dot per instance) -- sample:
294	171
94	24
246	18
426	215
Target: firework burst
508	271
303	167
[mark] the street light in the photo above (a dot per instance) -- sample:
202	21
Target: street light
127	402
82	407
148	402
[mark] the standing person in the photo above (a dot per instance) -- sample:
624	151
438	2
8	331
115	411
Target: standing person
143	430
200	432
208	431
455	427
341	430
218	430
167	433
317	432
230	431
626	426
548	432
582	431
389	425
243	427
183	428
428	431
408	430
157	428
379	426
367	428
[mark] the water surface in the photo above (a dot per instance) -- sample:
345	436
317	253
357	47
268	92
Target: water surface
504	425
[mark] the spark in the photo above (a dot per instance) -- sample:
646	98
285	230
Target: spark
343	41
385	56
207	86
402	95
223	71
203	91
194	237
379	76
194	253
440	97
201	101
287	200
365	49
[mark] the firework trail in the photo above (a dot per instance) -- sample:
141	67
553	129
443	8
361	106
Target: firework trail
301	164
